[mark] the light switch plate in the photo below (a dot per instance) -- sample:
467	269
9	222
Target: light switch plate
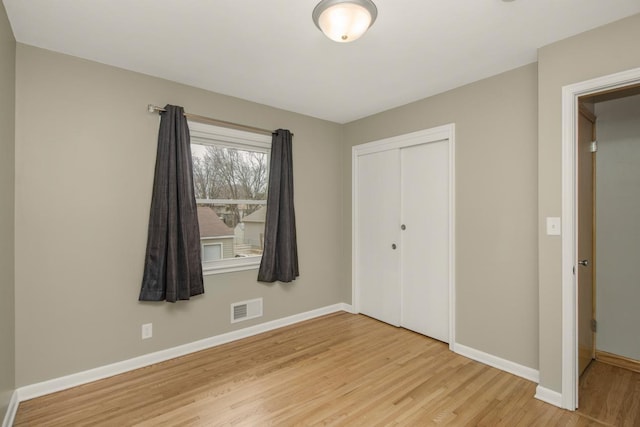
553	226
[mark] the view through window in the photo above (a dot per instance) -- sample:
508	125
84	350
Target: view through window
230	178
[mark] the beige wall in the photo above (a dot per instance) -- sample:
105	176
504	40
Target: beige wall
85	153
496	188
617	227
599	52
7	106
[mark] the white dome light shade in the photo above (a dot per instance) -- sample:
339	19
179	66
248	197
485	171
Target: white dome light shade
344	20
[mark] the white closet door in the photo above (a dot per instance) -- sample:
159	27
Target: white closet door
425	239
377	230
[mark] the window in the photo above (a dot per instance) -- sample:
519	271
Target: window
230	176
211	252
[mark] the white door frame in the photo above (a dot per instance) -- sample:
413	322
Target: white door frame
570	95
440	133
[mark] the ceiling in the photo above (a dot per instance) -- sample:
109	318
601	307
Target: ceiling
270	52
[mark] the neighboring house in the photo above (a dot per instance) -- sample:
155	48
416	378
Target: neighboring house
254	228
215	236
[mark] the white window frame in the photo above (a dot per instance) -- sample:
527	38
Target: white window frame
207	134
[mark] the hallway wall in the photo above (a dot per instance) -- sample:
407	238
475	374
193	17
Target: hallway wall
617	226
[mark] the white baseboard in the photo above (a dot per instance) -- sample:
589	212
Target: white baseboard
348	308
498	362
73	380
12	409
549	396
542	393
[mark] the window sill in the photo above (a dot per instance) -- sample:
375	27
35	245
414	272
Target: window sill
231	265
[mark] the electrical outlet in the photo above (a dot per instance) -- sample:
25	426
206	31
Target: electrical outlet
147	330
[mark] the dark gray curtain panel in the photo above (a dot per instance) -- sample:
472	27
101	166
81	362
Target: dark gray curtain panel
172	267
280	255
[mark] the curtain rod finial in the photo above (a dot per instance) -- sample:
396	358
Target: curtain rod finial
152	108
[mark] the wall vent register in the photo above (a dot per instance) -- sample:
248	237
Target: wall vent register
245	310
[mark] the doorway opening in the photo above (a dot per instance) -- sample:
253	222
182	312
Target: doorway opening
596	90
608	149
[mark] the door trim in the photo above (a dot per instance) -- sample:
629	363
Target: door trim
570	95
439	133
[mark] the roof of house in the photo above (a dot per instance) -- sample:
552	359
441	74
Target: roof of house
210	224
258	216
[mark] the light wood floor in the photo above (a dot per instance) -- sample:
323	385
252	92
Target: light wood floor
610	394
341	369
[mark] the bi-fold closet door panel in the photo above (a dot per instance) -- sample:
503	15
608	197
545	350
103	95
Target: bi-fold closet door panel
402	237
377	223
424	212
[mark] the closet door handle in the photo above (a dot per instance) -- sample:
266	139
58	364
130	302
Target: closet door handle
393	246
584	262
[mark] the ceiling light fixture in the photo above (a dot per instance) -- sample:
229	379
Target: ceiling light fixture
344	20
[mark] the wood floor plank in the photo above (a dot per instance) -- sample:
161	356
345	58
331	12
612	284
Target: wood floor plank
610	394
338	370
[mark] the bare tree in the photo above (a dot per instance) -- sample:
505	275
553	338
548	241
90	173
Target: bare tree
202	178
226	173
